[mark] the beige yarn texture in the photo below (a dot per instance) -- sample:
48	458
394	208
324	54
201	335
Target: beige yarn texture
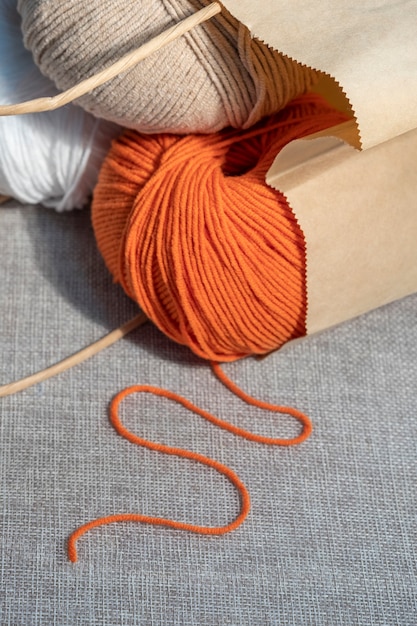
212	77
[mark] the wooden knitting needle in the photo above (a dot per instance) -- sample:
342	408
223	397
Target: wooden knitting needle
75	359
122	65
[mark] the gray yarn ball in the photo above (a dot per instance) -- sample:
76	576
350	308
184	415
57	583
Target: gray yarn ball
212	77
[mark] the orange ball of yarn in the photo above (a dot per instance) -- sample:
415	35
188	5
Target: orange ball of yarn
191	230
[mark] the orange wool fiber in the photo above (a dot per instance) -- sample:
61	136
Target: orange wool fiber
190	229
193	456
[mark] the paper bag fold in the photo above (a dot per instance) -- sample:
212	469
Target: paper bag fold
369	48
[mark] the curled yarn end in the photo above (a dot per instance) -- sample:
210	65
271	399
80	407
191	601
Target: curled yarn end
192	456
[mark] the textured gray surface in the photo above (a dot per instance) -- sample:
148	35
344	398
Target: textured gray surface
332	536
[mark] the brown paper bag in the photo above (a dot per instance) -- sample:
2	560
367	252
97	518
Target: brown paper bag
357	209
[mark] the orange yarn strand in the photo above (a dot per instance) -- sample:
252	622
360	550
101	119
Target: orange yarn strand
275	408
193	456
212	255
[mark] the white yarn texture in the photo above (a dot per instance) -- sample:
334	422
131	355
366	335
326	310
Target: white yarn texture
214	76
48	158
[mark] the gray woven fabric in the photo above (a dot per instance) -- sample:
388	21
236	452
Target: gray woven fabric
331	538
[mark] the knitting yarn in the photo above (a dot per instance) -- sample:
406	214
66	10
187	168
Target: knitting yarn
49	158
121	429
190	229
215	76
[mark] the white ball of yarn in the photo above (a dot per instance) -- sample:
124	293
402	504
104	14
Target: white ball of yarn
214	76
48	158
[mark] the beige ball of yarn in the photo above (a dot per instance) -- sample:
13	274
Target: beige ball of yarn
214	76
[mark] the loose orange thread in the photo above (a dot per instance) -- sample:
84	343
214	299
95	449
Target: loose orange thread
193	456
212	255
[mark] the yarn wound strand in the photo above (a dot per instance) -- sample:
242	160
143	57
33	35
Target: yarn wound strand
190	229
51	103
215	76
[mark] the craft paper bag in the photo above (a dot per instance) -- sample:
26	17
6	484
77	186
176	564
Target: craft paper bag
358	212
357	209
